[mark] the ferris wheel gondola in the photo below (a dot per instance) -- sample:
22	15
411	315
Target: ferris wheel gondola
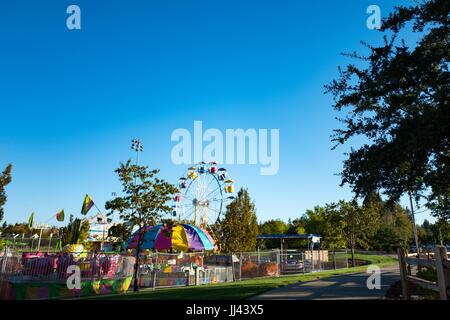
204	193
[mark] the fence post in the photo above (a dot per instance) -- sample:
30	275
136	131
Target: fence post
155	263
334	259
4	259
319	258
232	267
442	273
280	266
197	276
403	273
346	258
240	266
187	275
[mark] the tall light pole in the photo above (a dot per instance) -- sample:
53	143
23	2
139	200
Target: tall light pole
136	145
416	239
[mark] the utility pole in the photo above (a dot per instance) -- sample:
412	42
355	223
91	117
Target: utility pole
136	145
414	224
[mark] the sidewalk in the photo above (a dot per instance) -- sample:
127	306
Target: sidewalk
348	286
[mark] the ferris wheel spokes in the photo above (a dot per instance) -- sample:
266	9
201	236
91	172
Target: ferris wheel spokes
203	192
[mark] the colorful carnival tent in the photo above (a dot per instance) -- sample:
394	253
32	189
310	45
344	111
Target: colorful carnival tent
182	237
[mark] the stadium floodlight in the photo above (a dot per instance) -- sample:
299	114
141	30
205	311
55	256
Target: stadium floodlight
136	145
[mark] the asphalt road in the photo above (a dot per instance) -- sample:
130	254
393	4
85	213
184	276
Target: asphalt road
342	287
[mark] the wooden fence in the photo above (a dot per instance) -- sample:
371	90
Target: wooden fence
440	262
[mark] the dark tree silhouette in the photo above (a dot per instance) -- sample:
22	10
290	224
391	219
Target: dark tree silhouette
397	98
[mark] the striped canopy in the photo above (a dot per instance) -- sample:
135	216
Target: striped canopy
182	237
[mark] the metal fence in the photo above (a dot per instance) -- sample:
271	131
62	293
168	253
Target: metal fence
247	265
46	276
275	263
37	276
294	262
158	270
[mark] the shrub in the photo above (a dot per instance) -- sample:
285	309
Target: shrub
268	269
429	274
249	269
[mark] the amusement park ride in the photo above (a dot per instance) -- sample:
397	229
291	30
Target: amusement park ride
205	191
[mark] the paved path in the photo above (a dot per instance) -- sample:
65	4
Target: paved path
347	286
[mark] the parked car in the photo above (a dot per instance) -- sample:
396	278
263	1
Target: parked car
412	249
423	248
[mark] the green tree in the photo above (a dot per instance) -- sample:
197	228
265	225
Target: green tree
333	231
437	233
17	228
360	224
394	230
120	230
144	201
325	221
440	206
296	226
441	230
76	231
240	227
426	234
315	220
277	226
5	178
397	99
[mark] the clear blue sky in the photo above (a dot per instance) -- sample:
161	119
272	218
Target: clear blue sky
71	101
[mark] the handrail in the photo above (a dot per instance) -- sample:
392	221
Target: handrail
421	262
442	265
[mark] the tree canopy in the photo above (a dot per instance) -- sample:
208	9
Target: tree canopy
239	226
120	230
76	231
5	179
145	195
394	229
374	224
397	98
17	228
277	226
143	202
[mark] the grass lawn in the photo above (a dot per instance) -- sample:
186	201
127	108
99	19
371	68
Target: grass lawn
242	289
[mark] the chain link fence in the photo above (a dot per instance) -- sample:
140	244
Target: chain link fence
293	262
247	265
44	276
159	270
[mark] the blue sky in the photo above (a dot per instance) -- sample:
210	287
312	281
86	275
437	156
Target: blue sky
71	101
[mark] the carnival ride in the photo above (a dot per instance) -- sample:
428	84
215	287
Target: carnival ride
205	190
181	237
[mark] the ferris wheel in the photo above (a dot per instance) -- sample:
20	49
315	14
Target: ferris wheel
205	191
